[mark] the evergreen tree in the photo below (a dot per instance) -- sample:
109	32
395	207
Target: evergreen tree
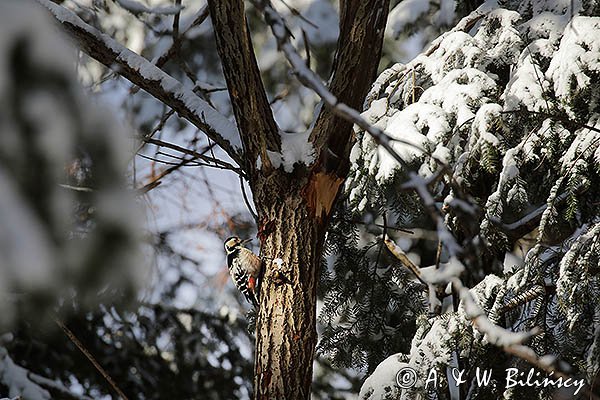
500	117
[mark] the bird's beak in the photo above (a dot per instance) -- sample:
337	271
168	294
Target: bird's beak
246	241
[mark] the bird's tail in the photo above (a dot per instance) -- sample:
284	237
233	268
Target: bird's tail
254	299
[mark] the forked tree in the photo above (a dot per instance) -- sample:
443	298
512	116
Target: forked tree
294	208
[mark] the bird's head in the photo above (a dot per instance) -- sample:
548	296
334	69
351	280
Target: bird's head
233	243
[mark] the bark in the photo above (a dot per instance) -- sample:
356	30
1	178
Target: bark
294	212
359	46
246	91
286	335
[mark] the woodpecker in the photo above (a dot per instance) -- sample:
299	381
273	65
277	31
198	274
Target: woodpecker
244	268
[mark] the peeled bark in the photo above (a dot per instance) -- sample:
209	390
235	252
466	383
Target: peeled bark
294	214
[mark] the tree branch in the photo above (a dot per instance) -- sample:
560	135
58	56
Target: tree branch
197	155
56	386
153	80
253	114
333	139
362	24
361	36
91	358
311	80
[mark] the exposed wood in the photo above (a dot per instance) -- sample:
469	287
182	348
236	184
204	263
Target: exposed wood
320	193
403	258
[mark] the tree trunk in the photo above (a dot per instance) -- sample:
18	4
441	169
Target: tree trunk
286	334
294	212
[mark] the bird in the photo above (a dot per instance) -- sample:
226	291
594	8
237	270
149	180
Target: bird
244	268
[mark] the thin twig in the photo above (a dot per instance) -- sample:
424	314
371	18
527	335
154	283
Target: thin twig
91	358
383	226
157	180
197	155
306	48
159	161
298	14
176	40
247	201
404	260
200	17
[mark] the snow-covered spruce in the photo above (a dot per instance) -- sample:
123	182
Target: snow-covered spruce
507	102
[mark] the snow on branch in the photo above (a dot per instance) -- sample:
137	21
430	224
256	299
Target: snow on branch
23	383
147	76
17	380
136	7
510	342
495	334
521	154
55	385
